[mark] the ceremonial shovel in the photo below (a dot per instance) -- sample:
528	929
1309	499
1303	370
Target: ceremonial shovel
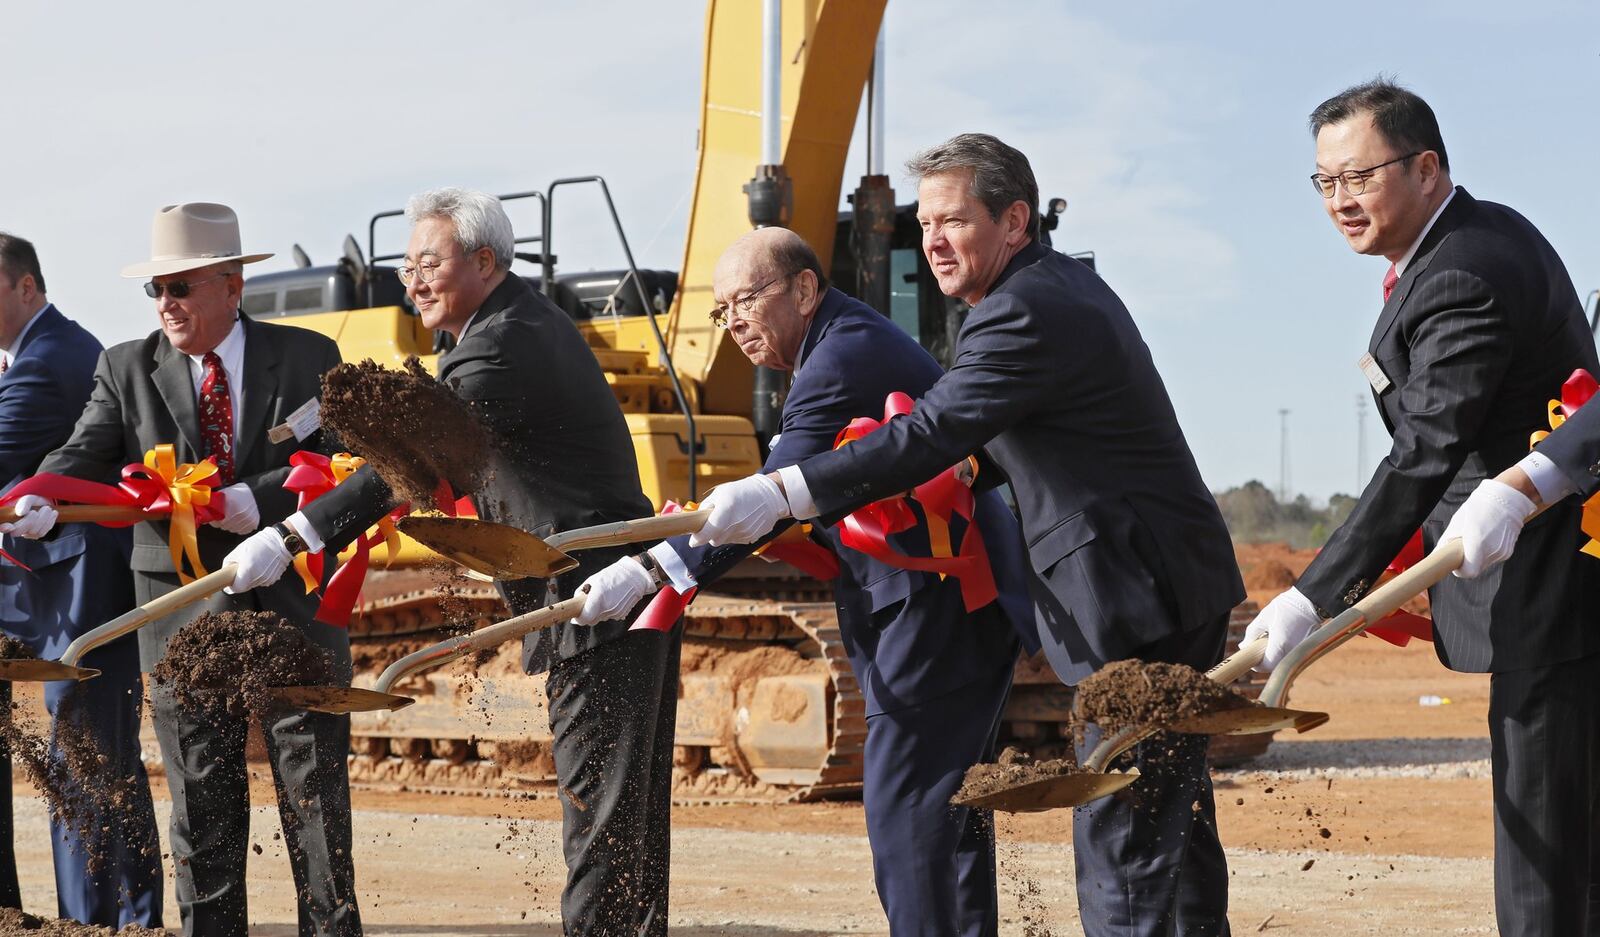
501	551
329	699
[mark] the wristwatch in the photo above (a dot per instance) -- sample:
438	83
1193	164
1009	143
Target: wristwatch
650	565
292	541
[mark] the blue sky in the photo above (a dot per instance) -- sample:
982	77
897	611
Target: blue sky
1176	130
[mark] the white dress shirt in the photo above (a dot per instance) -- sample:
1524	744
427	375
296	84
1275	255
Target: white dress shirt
9	355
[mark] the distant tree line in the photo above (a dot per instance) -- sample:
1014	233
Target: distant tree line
1255	515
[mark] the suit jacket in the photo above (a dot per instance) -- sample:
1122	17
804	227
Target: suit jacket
1480	331
1575	449
1053	381
79	575
564	458
144	396
908	634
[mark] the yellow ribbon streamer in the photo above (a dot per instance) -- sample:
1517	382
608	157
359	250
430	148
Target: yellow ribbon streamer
185	491
1590	522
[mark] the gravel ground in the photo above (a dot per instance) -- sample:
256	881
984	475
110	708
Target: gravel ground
1372	758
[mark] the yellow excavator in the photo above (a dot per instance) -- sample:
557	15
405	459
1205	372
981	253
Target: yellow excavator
768	706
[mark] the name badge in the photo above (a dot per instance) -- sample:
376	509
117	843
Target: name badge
1369	366
305	420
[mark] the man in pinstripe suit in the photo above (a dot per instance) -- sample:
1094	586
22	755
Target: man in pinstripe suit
1480	326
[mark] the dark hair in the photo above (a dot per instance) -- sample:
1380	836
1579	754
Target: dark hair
18	259
792	255
1404	119
1001	175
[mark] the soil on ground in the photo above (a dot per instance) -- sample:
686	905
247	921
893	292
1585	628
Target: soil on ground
411	429
13	921
1127	693
230	661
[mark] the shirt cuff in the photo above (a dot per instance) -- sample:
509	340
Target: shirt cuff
795	489
300	524
673	567
1551	483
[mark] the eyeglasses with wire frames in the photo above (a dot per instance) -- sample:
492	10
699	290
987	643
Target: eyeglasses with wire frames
1353	180
177	289
722	315
423	273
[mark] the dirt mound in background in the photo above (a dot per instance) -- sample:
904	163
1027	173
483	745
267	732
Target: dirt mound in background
1135	693
229	661
1270	568
14	922
413	430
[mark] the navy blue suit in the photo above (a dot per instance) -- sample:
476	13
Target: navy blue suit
1053	382
934	676
80	578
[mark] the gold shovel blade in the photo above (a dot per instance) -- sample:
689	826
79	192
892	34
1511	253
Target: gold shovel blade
499	551
43	670
1067	790
338	699
1250	720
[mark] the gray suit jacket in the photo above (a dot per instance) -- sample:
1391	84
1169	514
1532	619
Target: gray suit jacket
1480	331
144	396
564	457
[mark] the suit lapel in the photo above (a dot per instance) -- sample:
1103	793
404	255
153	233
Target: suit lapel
176	386
260	390
48	320
1452	217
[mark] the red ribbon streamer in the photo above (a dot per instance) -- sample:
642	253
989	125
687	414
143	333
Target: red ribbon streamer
1400	626
312	475
668	604
869	528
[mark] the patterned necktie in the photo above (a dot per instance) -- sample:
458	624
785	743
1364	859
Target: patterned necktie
216	416
1389	280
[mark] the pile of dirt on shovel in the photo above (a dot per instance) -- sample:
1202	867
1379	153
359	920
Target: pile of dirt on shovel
413	430
230	661
1013	769
1140	693
12	649
16	922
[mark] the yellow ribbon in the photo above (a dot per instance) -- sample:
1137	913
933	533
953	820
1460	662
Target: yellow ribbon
185	492
1590	522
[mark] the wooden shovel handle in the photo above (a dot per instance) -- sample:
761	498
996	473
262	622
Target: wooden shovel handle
143	615
75	513
635	531
444	652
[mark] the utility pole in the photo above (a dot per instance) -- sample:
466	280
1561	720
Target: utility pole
1283	456
1361	442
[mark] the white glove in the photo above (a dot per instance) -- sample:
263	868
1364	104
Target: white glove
614	591
741	512
1487	526
260	559
1285	621
242	515
35	517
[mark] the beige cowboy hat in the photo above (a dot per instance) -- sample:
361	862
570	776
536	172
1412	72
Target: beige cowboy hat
190	236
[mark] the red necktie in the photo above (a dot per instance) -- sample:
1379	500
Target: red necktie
1389	280
216	416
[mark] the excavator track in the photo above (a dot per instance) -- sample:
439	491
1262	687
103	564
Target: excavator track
768	709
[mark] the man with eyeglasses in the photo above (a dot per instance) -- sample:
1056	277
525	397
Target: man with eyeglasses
564	459
935	676
1480	326
211	382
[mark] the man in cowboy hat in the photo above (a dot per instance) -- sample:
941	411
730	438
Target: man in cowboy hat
211	383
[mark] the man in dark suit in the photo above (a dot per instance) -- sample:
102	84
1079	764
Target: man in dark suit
212	383
935	677
564	459
73	581
1053	383
1480	326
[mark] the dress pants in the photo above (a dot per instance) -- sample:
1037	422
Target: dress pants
204	757
124	885
1544	733
934	864
613	710
1149	862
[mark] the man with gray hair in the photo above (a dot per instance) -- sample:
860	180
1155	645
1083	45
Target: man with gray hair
1054	388
564	459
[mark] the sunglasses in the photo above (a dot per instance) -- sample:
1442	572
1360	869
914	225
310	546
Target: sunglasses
177	289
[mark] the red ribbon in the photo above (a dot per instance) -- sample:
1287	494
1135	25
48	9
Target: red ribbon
869	528
446	502
312	475
668	604
1400	626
